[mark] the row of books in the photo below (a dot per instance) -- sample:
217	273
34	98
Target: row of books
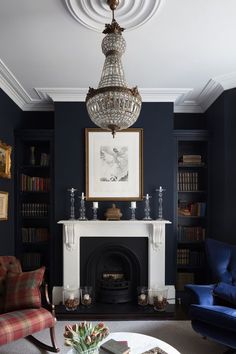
191	159
34	209
186	256
188	181
34	184
31	260
32	234
184	278
191	209
191	233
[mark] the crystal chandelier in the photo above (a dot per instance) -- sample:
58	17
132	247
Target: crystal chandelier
113	106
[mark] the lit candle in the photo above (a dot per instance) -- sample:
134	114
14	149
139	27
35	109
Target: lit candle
142	297
133	205
72	296
86	296
147	196
82	196
95	205
160	189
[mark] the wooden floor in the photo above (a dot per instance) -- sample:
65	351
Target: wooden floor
120	312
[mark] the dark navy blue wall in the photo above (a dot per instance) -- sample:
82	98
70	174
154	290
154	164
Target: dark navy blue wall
190	121
222	128
156	119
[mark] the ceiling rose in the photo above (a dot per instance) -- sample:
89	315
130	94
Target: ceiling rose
94	13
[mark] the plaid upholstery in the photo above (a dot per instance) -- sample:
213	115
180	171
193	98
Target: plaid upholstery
7	263
22	290
19	324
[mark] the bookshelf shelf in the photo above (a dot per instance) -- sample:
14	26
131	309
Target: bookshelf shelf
34	199
191	190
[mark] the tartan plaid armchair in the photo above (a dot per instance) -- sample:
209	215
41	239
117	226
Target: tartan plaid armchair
21	311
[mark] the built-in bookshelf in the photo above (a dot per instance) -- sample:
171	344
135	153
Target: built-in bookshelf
191	189
34	199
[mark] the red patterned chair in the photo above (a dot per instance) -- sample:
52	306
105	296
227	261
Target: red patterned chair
21	311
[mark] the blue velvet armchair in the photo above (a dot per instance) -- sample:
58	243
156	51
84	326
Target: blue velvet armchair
213	307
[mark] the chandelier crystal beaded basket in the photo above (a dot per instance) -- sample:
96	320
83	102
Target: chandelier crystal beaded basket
113	106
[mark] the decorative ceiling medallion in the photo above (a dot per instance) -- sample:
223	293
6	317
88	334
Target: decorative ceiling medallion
130	14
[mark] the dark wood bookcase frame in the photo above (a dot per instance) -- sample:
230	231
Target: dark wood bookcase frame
194	190
34	200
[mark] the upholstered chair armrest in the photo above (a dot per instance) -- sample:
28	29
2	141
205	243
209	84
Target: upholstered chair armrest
201	294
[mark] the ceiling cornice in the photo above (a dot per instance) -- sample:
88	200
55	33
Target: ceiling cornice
179	96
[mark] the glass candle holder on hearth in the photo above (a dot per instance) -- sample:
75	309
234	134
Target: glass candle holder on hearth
142	292
87	295
71	298
160	299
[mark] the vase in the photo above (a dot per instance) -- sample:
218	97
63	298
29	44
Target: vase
88	351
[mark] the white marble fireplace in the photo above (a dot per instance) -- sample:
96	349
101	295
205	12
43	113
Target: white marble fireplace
154	230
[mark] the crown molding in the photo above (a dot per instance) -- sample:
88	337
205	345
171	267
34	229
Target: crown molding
181	97
12	87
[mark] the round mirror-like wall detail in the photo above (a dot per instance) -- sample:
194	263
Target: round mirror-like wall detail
130	14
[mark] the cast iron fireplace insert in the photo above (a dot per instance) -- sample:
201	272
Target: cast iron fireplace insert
114	267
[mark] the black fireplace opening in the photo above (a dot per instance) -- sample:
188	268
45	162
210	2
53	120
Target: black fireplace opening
114	267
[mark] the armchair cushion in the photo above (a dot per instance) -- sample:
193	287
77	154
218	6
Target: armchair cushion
221	316
201	294
226	292
222	261
18	324
22	290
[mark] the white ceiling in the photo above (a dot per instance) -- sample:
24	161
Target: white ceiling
180	50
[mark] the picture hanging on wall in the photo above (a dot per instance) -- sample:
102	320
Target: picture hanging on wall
3	205
114	166
5	160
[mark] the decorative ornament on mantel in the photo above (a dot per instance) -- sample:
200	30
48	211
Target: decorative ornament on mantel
113	106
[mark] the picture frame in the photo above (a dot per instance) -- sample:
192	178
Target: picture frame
5	160
3	205
114	166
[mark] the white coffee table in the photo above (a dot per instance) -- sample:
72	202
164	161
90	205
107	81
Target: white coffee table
140	343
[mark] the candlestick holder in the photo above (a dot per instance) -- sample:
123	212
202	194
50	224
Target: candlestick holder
147	208
160	191
132	213
95	214
72	202
82	209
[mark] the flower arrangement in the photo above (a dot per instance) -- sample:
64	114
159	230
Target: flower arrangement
84	337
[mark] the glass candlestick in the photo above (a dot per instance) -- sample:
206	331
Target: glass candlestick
160	200
82	209
72	202
147	207
95	211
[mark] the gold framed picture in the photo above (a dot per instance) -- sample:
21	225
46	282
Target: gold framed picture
3	205
5	160
114	166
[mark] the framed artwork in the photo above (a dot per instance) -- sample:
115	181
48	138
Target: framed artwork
114	166
3	205
5	160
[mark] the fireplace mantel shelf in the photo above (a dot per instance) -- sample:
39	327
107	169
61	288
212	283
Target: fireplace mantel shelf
154	229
